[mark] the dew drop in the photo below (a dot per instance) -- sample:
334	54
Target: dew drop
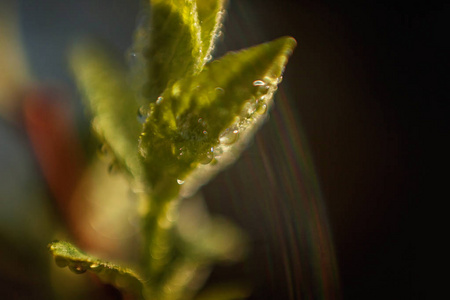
142	114
262	109
179	181
218	151
279	79
229	136
258	83
249	107
159	100
61	262
220	90
205	132
208	57
95	267
181	153
208	157
77	269
202	122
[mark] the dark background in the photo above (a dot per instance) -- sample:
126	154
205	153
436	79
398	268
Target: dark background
363	81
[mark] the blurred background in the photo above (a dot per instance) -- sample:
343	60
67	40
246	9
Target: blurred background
326	189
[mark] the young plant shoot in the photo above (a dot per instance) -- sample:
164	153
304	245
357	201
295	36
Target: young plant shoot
181	119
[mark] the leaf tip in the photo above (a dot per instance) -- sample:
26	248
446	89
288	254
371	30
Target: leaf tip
54	246
289	44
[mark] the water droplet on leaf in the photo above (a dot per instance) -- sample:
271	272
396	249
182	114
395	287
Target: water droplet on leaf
279	79
77	269
207	157
218	151
229	136
218	34
94	267
258	83
61	262
262	109
220	90
142	114
179	181
202	122
180	153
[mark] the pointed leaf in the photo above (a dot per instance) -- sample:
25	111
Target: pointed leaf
199	117
78	262
175	44
210	15
104	84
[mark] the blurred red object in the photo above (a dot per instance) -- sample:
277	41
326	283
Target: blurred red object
52	133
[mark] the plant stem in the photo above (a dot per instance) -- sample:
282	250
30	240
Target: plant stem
159	221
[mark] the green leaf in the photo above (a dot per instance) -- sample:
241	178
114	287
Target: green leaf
220	240
103	82
207	238
210	14
66	254
198	119
175	44
204	241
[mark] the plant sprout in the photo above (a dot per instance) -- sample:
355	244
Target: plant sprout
181	119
